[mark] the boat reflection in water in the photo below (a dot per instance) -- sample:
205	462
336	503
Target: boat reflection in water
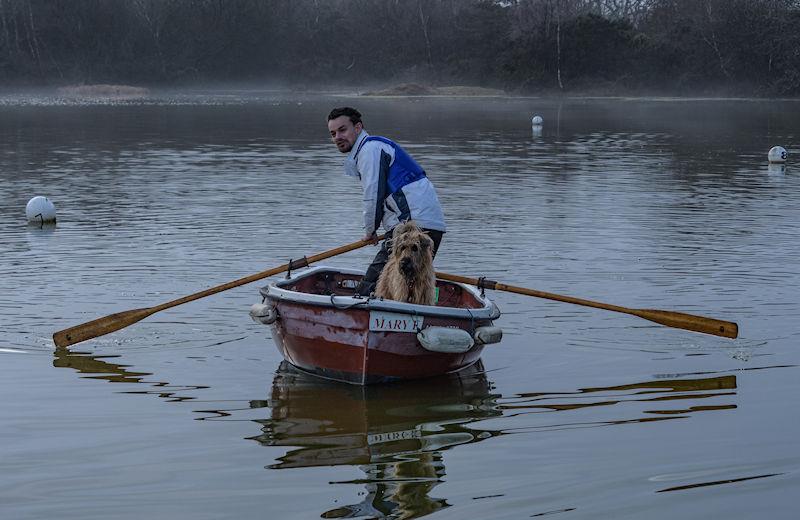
395	433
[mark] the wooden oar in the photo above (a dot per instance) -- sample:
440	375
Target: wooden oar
677	320
120	320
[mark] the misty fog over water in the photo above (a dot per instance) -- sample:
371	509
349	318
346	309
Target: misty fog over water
609	47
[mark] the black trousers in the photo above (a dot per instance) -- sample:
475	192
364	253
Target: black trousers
370	280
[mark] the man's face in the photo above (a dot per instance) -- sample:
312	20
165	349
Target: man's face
344	133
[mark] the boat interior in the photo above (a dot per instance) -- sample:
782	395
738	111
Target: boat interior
327	282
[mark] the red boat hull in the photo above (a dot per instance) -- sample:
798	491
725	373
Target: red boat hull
321	328
340	346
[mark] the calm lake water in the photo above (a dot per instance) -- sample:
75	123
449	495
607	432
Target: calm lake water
578	413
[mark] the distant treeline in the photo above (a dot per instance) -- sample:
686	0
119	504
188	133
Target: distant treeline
747	47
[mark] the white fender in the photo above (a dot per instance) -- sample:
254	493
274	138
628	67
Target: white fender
487	335
261	313
445	339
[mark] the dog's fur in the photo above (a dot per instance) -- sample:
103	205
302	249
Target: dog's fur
408	275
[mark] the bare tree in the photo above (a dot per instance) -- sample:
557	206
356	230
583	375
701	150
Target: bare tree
424	23
4	23
33	41
558	44
710	37
154	15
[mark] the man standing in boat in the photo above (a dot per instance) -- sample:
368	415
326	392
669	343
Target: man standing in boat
395	187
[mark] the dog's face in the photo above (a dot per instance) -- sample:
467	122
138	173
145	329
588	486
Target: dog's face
412	248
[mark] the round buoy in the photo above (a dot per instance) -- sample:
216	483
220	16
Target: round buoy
777	154
537	120
40	210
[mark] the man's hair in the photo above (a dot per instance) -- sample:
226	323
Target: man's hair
351	113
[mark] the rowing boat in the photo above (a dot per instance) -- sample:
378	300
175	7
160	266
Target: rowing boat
321	327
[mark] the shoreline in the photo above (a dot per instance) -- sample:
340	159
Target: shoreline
105	93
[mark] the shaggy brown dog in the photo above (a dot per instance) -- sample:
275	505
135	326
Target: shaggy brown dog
408	275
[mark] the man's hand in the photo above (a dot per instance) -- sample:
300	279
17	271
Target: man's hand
372	239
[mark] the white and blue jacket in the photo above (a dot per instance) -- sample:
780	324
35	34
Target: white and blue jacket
395	186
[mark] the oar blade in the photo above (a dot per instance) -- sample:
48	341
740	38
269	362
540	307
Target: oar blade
100	326
679	320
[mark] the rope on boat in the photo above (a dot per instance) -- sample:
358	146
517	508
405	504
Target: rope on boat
471	322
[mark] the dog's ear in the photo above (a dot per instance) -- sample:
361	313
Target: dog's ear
426	242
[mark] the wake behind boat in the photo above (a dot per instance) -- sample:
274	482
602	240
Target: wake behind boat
320	327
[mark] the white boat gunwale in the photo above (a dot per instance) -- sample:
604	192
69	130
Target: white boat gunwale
276	291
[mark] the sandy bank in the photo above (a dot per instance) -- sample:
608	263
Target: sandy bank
103	91
415	89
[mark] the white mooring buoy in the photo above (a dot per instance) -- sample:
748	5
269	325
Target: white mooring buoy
40	210
777	154
537	121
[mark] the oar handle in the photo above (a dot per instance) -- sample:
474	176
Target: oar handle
678	320
120	320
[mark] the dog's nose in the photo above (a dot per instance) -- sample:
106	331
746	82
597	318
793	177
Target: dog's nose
405	264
